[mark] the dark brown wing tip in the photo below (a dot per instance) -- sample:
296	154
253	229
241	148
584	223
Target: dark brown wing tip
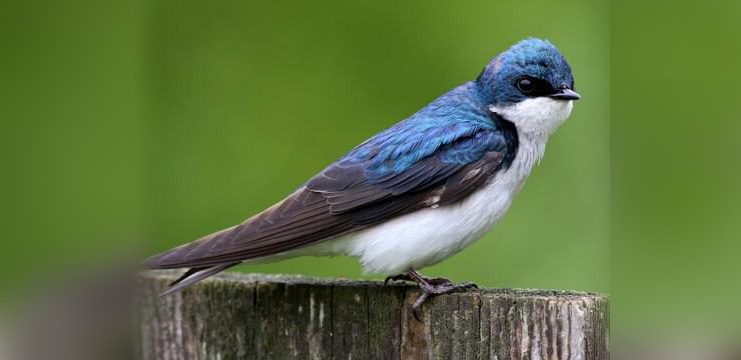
153	262
174	258
195	275
164	260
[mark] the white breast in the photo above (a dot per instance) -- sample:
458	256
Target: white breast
428	236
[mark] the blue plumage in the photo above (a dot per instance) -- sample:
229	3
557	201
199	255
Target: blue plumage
534	57
458	114
454	131
457	126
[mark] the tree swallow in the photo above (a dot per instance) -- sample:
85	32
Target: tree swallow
417	192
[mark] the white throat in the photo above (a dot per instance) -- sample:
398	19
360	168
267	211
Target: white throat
539	116
535	120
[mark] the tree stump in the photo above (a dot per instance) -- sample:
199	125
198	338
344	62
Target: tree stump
253	316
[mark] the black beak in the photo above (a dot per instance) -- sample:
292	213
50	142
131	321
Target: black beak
566	94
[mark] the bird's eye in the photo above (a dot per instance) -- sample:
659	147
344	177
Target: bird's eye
526	85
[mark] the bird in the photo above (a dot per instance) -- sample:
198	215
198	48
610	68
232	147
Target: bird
413	194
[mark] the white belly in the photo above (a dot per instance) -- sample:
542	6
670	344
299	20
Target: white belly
428	236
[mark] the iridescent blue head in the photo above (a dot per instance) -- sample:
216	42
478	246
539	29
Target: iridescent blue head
529	69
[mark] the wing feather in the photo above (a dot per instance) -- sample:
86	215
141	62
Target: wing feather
348	196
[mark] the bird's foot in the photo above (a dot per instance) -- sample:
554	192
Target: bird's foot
431	281
434	286
400	277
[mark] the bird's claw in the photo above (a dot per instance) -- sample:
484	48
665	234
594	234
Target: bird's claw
471	287
438	286
468	286
438	281
400	277
417	304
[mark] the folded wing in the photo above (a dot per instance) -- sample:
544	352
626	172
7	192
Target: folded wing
381	179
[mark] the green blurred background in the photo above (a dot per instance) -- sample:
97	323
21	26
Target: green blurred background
130	128
676	202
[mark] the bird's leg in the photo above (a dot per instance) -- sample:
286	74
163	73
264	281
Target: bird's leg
432	287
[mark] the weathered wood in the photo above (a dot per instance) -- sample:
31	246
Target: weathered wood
239	316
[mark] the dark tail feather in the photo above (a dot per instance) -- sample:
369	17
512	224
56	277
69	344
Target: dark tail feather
195	275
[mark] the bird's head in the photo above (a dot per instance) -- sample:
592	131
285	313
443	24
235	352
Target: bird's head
530	84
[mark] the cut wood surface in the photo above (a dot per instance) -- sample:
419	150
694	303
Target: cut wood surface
255	316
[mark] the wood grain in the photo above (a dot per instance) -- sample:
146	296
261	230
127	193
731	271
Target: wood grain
243	316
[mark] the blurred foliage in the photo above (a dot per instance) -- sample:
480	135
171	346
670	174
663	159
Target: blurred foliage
73	139
675	155
145	125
